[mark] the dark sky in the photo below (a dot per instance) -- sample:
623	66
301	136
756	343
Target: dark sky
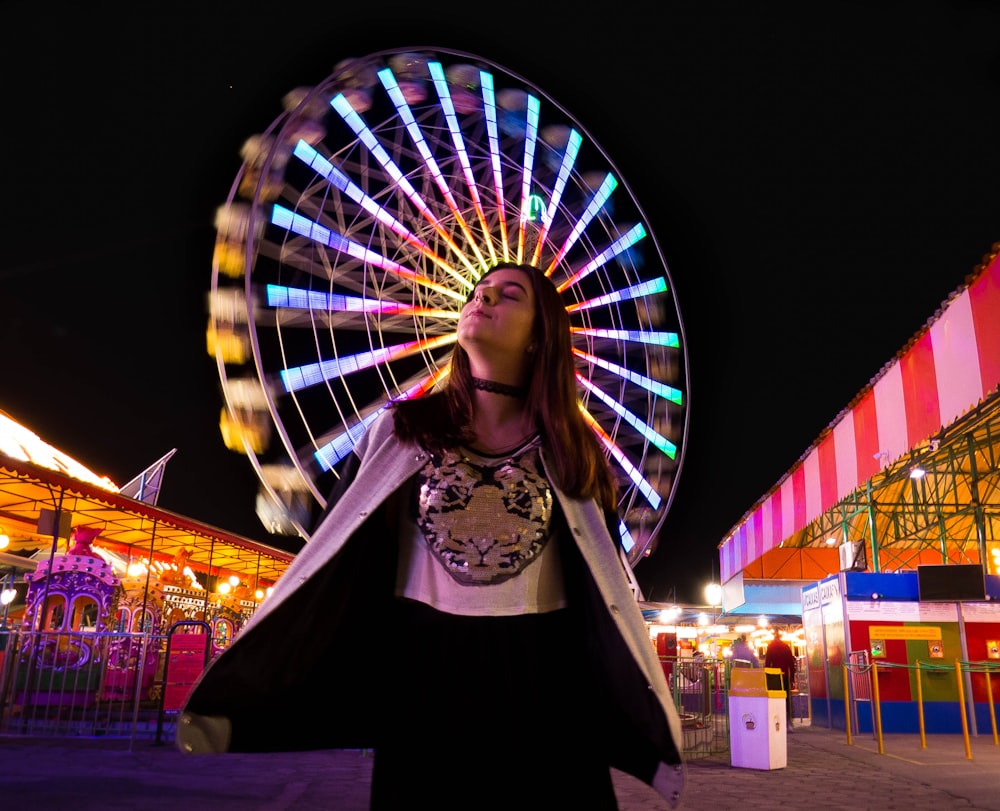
818	177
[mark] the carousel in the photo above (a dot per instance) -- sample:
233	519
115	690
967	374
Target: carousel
94	627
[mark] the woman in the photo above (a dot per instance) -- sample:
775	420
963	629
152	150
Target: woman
462	607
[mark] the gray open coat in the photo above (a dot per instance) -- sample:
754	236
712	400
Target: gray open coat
307	669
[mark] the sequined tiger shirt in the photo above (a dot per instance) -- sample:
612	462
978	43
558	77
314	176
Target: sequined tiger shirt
478	539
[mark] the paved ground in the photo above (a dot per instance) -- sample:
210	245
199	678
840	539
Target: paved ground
822	771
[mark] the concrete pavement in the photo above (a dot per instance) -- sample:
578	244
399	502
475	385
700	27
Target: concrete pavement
823	771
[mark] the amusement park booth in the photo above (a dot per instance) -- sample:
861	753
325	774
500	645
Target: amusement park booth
937	657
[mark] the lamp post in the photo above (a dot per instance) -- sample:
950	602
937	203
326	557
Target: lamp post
713	596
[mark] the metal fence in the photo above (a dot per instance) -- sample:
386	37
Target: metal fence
700	687
701	691
84	684
131	685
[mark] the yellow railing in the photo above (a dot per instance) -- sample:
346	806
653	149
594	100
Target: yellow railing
960	668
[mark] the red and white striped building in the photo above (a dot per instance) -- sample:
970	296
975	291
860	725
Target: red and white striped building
936	402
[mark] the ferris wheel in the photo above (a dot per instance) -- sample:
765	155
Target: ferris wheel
353	232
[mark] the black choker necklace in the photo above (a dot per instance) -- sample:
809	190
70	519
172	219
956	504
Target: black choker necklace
498	388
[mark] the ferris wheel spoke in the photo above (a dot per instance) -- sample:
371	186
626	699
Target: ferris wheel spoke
332	450
406	114
655	386
325	168
659	441
615	249
573	142
368	138
440	80
313	374
597	202
321	302
635	475
665	339
636	291
291	221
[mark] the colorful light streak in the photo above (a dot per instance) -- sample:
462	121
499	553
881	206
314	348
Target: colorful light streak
640	481
448	108
298	224
323	167
616	248
406	115
655	386
367	137
493	138
659	441
593	208
527	169
558	188
641	290
295	298
328	454
667	339
312	374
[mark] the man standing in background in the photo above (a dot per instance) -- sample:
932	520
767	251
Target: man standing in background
779	655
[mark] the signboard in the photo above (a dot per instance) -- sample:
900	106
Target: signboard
928	632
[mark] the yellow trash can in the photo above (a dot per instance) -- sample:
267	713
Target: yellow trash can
758	736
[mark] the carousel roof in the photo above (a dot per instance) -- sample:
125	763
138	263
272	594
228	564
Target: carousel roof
37	483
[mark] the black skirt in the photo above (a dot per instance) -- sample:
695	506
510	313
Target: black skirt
489	713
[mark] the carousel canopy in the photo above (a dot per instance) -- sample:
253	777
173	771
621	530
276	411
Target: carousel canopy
44	494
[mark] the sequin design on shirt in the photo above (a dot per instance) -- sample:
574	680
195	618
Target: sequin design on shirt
484	519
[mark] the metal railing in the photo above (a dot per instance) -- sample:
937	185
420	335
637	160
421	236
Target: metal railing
84	684
861	689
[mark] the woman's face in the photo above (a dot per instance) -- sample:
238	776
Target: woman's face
498	320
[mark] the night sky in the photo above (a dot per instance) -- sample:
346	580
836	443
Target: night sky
819	179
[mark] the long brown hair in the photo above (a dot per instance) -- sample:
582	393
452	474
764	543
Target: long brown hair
579	465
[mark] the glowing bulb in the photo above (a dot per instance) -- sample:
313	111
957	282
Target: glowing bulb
7	596
234	581
224	588
4	540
